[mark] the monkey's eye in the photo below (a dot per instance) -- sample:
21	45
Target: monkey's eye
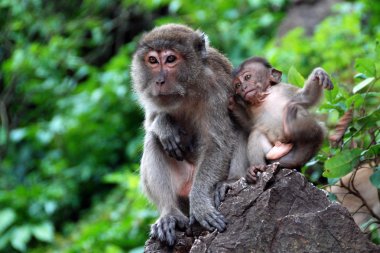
152	60
171	59
247	77
237	85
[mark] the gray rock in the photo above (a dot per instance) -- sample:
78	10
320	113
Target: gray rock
283	212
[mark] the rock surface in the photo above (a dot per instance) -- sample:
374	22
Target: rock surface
283	212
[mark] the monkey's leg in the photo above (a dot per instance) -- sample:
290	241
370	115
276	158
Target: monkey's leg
213	168
304	132
298	156
279	150
161	188
258	146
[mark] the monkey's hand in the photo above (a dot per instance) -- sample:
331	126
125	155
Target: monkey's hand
232	103
253	172
172	141
164	228
206	214
323	78
221	191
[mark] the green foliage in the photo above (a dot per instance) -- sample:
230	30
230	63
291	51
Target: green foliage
70	133
342	163
295	78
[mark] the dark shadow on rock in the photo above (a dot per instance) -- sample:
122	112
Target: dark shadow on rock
283	212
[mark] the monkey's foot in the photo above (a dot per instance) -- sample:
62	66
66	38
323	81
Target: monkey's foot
253	172
164	228
279	150
209	219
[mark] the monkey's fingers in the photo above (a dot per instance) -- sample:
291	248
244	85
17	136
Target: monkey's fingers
154	231
210	220
254	172
220	193
216	220
168	229
173	149
328	84
251	177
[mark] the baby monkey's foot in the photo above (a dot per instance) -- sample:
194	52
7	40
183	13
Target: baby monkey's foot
253	173
279	150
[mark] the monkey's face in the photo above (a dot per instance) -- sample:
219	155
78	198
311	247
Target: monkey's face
252	83
168	65
163	67
163	77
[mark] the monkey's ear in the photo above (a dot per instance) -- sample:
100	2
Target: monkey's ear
275	76
201	44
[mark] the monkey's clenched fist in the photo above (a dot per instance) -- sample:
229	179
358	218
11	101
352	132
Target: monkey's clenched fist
183	85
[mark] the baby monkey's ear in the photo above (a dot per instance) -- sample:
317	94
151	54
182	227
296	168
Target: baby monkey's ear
275	76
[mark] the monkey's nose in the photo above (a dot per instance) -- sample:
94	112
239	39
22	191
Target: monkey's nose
160	82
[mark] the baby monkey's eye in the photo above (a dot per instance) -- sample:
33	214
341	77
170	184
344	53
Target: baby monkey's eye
247	77
237	85
152	60
171	59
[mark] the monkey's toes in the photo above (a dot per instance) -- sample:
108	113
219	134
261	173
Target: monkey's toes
210	221
164	228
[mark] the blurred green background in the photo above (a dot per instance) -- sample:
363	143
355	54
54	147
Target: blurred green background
70	133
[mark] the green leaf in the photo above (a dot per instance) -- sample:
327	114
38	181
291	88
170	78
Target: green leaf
363	84
342	163
360	76
366	66
371	119
7	217
44	232
4	240
373	150
295	78
21	237
375	178
357	100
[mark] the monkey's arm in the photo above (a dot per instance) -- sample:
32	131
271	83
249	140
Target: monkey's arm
170	136
158	184
213	167
238	111
312	91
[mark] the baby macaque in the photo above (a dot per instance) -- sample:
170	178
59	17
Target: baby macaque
275	114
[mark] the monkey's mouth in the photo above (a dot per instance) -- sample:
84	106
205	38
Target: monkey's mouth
167	98
251	93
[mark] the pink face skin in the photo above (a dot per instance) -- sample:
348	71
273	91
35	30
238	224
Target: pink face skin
163	66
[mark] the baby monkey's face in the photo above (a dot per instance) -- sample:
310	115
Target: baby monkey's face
252	82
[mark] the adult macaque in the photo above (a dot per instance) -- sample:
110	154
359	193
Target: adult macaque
184	85
276	116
